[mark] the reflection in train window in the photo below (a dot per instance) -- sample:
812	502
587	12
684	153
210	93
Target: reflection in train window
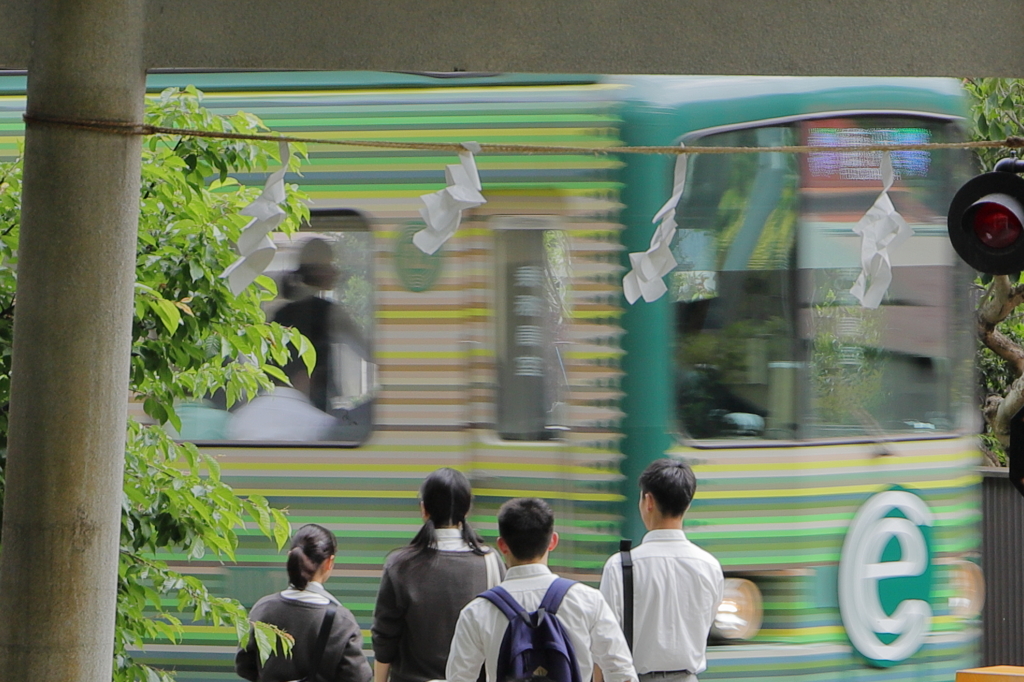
771	342
890	368
325	290
736	361
532	319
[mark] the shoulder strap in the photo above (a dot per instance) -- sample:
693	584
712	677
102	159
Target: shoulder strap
627	590
504	601
321	642
556	592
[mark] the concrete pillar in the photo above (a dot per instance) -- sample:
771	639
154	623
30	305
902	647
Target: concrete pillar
76	270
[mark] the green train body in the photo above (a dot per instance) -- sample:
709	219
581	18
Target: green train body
813	424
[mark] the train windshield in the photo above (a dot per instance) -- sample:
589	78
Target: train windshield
770	341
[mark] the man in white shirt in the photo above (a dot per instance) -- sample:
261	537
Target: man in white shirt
284	414
526	536
677	586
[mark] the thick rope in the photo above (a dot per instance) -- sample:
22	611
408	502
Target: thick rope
123	128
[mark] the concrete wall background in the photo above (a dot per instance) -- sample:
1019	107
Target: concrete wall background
795	37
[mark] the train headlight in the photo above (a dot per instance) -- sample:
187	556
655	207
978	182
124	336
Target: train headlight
967	589
739	615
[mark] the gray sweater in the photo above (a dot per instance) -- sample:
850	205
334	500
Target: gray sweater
418	606
343	659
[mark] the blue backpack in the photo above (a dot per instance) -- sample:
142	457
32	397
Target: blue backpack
535	644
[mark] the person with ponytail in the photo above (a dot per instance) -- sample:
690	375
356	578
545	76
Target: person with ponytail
302	611
425	584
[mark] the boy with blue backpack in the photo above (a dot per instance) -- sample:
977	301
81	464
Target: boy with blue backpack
536	624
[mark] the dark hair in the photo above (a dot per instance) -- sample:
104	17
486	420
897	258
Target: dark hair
671	483
526	525
446	498
312	545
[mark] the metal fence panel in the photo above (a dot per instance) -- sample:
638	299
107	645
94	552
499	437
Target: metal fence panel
1003	563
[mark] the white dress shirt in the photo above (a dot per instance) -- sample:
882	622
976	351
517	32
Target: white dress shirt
283	415
450	540
592	627
677	588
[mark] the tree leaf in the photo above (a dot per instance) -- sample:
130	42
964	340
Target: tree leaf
167	312
277	373
264	643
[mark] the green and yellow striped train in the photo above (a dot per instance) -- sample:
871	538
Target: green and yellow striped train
831	440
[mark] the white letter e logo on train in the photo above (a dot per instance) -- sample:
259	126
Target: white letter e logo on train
885	577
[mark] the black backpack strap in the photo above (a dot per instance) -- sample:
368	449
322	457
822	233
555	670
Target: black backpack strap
321	642
556	592
505	602
627	590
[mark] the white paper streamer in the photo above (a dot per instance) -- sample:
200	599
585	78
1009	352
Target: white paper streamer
254	244
881	229
442	211
648	267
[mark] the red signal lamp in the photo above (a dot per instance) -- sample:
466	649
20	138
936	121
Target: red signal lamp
996	220
986	223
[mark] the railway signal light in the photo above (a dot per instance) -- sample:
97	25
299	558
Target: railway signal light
986	220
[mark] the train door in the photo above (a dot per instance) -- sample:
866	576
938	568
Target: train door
519	379
545	373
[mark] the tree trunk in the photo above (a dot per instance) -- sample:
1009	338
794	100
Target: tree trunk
1000	299
58	569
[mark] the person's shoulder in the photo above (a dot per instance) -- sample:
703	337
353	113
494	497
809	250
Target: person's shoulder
484	554
396	556
400	559
708	567
477	608
480	602
300	307
460	562
344	618
706	556
585	596
614	562
585	604
267	602
579	588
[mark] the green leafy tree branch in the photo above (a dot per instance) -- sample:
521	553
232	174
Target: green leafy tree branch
191	337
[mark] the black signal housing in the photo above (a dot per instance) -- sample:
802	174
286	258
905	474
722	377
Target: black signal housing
986	221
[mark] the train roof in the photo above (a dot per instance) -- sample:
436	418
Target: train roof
661	91
655	110
685	104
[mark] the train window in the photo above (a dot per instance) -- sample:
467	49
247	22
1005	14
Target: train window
887	369
770	342
532	320
325	289
736	359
